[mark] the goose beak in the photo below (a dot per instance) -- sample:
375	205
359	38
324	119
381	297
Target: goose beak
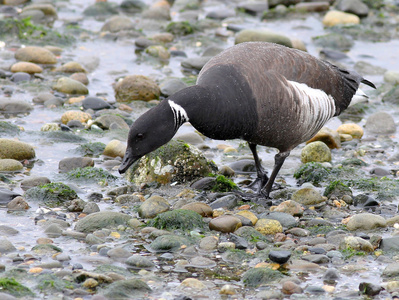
127	161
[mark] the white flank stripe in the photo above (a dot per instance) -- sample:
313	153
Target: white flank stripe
359	97
179	114
316	107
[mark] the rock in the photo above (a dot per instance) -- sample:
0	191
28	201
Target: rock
10	165
331	276
315	152
249	215
6	246
209	243
279	256
80	77
12	149
370	289
14	106
290	207
352	129
254	7
257	276
118	23
95	103
71	67
38	55
391	77
70	86
33	181
126	289
163	37
380	123
18	203
159	11
136	87
307	196
20	76
171	86
192	283
392	96
75	115
337	189
365	221
316	258
173	162
289	287
391	270
177	219
109	121
390	244
316	6
334	17
327	136
71	163
285	219
158	51
6	196
334	41
192	138
153	206
168	243
228	202
225	223
195	63
261	35
356	243
356	7
115	148
369	69
199	207
220	14
26	67
139	262
100	220
268	226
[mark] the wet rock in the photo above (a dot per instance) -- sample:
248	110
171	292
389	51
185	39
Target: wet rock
199	207
268	226
12	149
70	86
334	17
391	270
95	103
279	256
158	11
50	127
327	136
100	220
177	219
290	207
126	289
253	7
192	283
316	258
71	163
6	246
101	9
380	123
38	55
262	35
33	181
90	208
115	148
136	87
369	69
391	77
8	129
289	287
209	243
315	152
365	221
370	289
139	262
285	219
316	6
20	77
10	165
172	162
220	14
75	115
118	23
257	276
168	243
18	203
153	206
110	121
192	138
195	63
70	67
331	276
356	243
334	41
225	223
338	190
307	196
356	7
228	201
158	51
81	77
352	129
249	215
171	86
26	67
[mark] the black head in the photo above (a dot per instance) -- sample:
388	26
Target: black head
150	131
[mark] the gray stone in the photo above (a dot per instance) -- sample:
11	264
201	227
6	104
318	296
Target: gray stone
356	7
365	221
286	220
12	106
71	163
139	262
228	201
6	246
99	220
195	63
262	35
153	206
118	23
171	86
106	121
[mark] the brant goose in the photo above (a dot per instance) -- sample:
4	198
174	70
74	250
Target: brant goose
263	93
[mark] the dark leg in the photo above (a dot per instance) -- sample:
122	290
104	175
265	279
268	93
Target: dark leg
262	177
278	162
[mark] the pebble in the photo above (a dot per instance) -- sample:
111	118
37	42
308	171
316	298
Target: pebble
328	136
72	163
136	87
268	226
38	55
225	223
352	129
26	67
199	207
75	115
115	148
315	152
380	123
70	86
290	207
307	196
334	17
17	150
153	206
262	35
280	257
70	67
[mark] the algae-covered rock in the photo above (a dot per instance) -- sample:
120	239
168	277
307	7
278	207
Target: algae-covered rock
307	196
100	220
338	189
10	165
153	206
7	128
356	243
262	35
173	162
177	219
91	174
316	151
92	149
257	276
169	243
268	226
136	87
14	288
13	149
51	194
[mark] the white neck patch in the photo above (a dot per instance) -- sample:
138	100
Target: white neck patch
179	114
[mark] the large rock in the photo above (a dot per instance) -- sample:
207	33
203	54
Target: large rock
365	221
262	35
17	150
70	86
136	87
100	220
316	152
13	106
26	67
153	206
10	165
173	162
380	123
335	17
118	23
35	54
